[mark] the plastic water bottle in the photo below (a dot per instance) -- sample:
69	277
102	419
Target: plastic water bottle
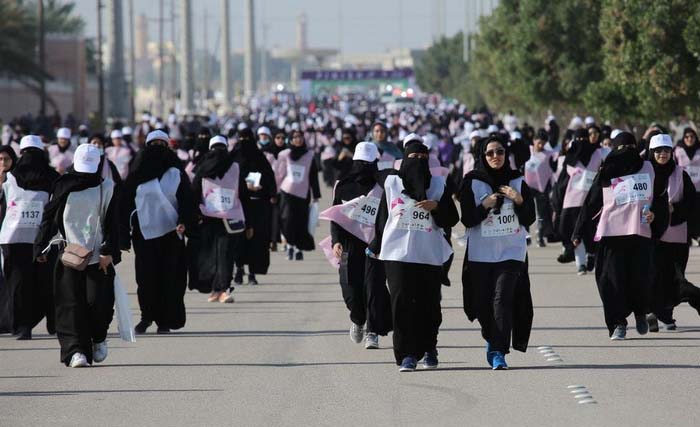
645	211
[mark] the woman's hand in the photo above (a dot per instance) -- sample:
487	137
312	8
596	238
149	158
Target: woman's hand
338	250
42	259
649	217
428	205
249	233
510	193
105	262
252	187
180	229
490	201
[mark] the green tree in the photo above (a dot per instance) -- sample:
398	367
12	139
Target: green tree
650	63
59	17
18	44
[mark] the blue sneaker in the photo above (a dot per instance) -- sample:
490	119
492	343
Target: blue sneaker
430	360
408	364
498	361
489	354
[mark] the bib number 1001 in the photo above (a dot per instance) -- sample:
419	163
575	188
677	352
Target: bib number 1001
505	219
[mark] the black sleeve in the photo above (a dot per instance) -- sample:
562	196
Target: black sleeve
185	201
525	211
382	217
591	207
445	214
472	214
3	205
127	205
553	163
558	191
336	230
313	181
243	195
682	210
48	227
268	179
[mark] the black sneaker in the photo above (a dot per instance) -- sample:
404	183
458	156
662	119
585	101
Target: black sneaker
273	247
163	331
251	279
590	262
24	333
653	322
541	243
141	327
299	256
566	257
582	270
290	253
642	324
238	278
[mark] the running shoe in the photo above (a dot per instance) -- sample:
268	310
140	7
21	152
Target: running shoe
24	333
238	278
299	256
163	331
371	341
619	334
251	279
582	271
78	361
430	360
214	297
642	324
590	262
356	333
499	361
566	257
653	322
273	247
290	253
226	297
489	354
541	243
142	326
99	351
408	364
667	327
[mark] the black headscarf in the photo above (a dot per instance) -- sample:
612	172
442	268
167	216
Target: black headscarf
661	172
214	163
493	177
297	152
200	144
580	149
272	147
246	151
415	172
690	151
33	172
361	172
151	163
10	152
623	159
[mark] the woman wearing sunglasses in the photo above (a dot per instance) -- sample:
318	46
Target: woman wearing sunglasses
497	206
629	204
671	250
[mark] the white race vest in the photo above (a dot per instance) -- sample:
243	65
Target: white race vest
156	205
82	217
410	233
498	237
25	210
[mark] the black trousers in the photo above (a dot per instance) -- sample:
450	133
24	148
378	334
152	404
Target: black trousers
624	273
363	285
543	208
84	308
275	226
670	260
27	294
415	305
495	284
161	278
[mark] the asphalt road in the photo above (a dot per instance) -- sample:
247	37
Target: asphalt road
281	355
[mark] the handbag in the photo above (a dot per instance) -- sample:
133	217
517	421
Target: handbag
76	256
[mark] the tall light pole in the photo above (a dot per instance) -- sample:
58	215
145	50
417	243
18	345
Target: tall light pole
225	54
42	59
100	72
161	76
173	60
186	91
115	41
249	56
132	67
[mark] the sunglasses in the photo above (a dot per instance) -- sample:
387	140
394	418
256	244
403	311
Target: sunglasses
498	152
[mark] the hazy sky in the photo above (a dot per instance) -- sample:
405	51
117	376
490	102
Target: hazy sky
359	26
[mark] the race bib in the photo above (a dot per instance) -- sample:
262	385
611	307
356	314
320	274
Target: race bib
24	214
296	172
631	188
220	199
385	165
583	181
363	210
693	172
412	218
504	224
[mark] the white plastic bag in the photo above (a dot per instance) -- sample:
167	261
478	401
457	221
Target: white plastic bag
313	217
121	302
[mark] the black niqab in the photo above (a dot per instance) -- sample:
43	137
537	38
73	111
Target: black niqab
151	163
690	151
415	172
361	172
215	163
623	160
580	149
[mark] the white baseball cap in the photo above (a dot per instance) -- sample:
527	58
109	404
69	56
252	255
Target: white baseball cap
126	130
86	158
475	134
615	133
589	120
515	135
661	140
366	151
157	135
264	130
63	133
30	141
217	139
116	134
412	137
492	129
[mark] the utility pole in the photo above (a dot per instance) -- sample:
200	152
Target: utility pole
173	60
205	60
186	62
132	68
249	56
42	59
225	55
161	77
100	72
262	53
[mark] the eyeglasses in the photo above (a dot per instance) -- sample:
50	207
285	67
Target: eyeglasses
666	150
498	152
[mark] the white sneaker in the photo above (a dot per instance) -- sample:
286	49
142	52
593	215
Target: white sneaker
371	341
356	333
99	351
226	297
78	361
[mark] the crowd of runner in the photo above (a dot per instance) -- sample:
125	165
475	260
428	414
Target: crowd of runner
202	201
